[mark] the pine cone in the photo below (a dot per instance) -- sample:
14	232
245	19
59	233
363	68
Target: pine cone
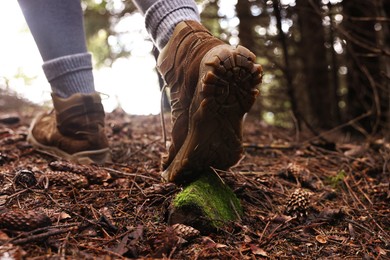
66	179
185	232
24	220
298	203
63	166
297	171
92	173
95	175
302	176
25	178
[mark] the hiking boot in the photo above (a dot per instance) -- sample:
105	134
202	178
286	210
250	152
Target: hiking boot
73	130
212	85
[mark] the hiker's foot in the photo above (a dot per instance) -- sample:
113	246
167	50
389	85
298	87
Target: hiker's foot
74	130
212	86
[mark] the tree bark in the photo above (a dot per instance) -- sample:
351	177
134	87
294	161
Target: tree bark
322	109
287	71
245	28
363	62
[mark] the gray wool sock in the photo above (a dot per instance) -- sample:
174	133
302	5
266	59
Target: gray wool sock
162	17
70	74
144	5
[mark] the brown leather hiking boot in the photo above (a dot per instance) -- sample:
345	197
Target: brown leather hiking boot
74	130
212	86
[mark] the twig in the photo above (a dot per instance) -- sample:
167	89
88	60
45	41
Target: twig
263	232
350	122
269	146
41	236
67	210
235	210
62	247
100	250
366	19
353	193
39	230
360	226
104	190
361	191
17	193
128	174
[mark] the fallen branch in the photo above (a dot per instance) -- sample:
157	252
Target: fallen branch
42	236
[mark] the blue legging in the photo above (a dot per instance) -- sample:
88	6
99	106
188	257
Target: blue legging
56	25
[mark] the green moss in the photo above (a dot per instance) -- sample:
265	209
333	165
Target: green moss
208	199
337	181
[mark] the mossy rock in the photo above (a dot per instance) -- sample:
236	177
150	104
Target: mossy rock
206	204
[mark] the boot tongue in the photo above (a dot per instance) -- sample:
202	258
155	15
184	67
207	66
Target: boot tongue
62	104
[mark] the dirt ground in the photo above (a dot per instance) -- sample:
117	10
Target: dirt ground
306	199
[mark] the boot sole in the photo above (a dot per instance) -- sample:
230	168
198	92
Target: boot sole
100	156
225	92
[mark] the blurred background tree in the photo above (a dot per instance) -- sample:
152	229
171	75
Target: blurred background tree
101	20
326	62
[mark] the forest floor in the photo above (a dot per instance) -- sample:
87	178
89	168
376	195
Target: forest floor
306	199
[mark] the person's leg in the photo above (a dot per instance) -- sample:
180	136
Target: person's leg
212	86
58	30
74	130
161	17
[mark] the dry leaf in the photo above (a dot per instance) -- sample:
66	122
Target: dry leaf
3	236
321	239
10	251
258	251
381	251
218	245
90	232
247	239
64	215
3	199
351	231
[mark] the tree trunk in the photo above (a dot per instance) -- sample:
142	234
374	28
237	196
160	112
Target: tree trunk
363	62
287	70
245	28
322	109
383	40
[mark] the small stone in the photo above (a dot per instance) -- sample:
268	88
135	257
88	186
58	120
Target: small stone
3	158
25	178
